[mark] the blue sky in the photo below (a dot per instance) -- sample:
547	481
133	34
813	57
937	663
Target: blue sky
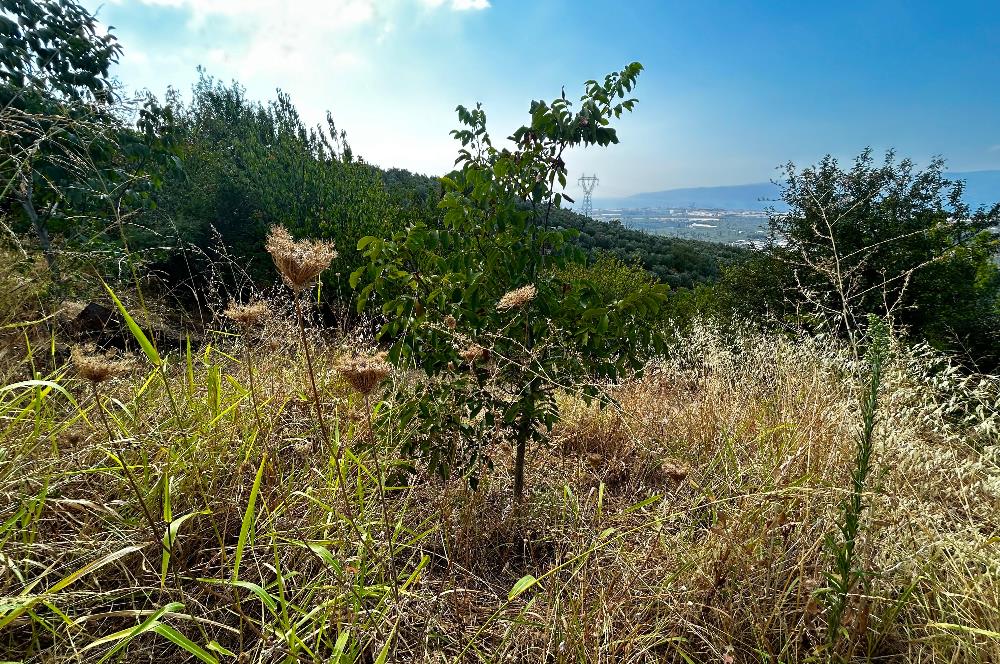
731	89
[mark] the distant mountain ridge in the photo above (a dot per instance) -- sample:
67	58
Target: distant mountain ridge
982	188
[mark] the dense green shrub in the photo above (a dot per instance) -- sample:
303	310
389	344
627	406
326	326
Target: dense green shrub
249	166
884	239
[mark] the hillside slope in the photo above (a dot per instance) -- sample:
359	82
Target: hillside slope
982	188
677	262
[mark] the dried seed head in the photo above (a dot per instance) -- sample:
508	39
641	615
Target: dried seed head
474	353
365	373
298	262
450	322
675	471
517	298
248	315
96	367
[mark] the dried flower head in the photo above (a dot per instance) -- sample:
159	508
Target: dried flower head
248	315
450	322
298	262
517	298
474	353
96	367
675	471
365	373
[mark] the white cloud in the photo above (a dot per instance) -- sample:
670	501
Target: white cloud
299	36
326	54
284	41
463	5
458	5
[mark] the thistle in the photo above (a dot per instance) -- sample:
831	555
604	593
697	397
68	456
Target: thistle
298	262
517	298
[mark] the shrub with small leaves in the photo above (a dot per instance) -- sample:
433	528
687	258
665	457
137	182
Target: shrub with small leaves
489	275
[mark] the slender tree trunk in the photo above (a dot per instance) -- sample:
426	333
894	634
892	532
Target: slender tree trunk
40	231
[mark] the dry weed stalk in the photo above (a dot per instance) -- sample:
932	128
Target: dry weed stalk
249	316
97	369
300	263
364	374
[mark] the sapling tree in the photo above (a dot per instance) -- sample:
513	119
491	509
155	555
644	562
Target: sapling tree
480	301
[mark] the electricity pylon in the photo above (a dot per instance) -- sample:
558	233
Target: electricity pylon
588	183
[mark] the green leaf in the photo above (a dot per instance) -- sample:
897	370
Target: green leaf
187	644
215	647
144	343
47	384
248	519
384	653
169	537
355	277
523	584
643	503
338	647
324	554
265	597
124	636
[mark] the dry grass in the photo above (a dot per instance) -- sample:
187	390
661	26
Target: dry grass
683	524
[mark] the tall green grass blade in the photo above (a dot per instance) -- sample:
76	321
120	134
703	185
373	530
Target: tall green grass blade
169	537
265	597
140	336
963	628
338	648
124	636
67	580
248	518
168	511
184	642
189	361
523	584
384	653
48	386
415	575
215	646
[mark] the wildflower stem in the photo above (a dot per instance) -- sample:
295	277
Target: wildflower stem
338	452
846	574
381	498
312	375
129	476
256	405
